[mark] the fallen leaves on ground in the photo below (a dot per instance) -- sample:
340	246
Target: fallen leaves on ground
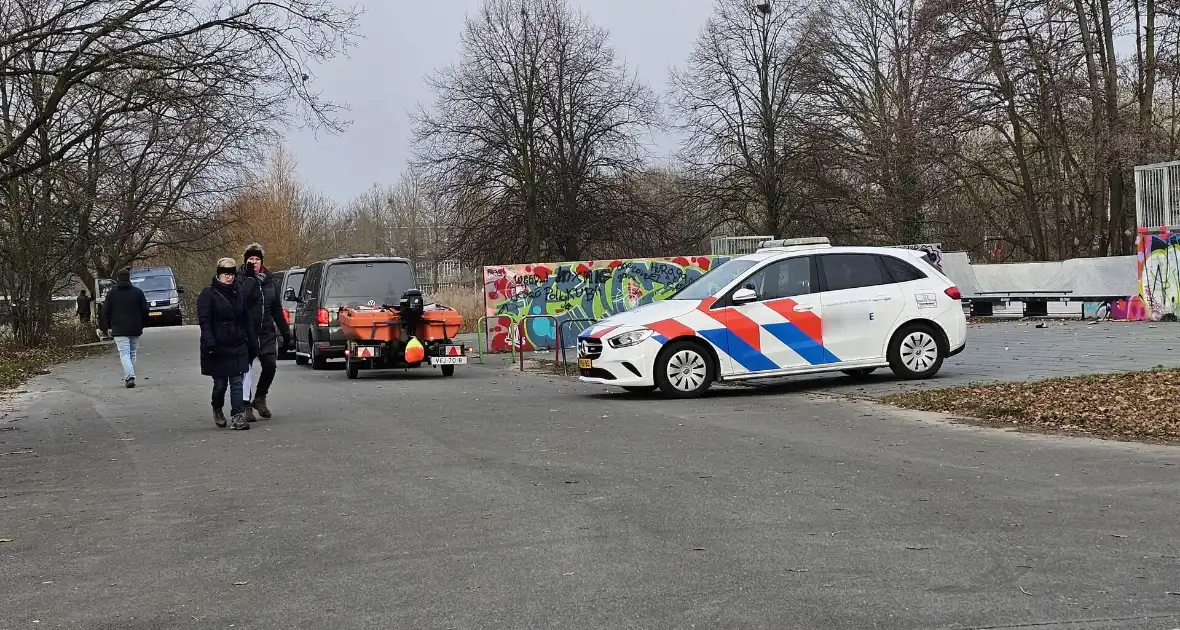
1127	406
18	365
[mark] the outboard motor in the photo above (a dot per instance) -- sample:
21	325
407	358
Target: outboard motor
410	308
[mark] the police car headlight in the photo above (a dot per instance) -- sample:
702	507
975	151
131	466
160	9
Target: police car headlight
630	338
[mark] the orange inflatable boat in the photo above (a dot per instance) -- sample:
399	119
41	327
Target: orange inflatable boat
385	324
402	336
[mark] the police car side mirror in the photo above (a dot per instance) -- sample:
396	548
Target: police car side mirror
745	295
180	290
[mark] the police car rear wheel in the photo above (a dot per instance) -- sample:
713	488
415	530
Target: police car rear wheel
683	370
914	352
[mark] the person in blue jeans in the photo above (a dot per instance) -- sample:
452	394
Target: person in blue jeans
125	313
228	342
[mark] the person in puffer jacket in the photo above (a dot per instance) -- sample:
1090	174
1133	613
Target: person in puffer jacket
265	308
227	342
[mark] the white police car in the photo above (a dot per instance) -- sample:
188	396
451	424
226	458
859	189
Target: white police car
797	306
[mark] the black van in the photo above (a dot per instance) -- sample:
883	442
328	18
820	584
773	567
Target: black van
328	286
163	294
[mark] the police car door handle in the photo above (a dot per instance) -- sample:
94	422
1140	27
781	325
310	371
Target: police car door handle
803	308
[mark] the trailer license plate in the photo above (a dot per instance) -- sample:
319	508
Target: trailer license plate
584	364
448	360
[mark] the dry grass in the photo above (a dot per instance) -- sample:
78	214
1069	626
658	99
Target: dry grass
18	365
1131	406
468	302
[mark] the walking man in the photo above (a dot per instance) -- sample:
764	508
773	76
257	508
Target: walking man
266	315
125	311
84	307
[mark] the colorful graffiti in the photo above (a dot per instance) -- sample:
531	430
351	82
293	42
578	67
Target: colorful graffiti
545	294
1159	274
1129	308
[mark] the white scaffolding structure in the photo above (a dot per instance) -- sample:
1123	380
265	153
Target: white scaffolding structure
1157	196
736	245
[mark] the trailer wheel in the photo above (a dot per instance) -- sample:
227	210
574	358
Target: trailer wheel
448	370
352	366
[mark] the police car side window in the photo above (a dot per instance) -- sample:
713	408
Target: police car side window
785	278
851	271
901	270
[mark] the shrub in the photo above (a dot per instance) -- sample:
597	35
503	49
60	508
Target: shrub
469	303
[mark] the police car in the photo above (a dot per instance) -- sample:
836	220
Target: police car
796	306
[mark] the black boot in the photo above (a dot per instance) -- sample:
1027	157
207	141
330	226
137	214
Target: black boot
259	404
219	417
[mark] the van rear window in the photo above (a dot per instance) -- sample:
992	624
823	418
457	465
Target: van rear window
293	281
382	282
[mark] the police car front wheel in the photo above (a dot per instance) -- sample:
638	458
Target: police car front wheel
684	370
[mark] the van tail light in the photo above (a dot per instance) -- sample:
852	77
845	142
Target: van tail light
321	317
954	294
287	316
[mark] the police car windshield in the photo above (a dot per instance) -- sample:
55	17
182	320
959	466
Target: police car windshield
715	280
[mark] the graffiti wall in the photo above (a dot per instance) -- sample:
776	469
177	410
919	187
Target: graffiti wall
589	290
1159	275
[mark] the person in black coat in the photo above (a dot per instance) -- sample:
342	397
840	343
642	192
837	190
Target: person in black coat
265	307
228	341
84	307
125	313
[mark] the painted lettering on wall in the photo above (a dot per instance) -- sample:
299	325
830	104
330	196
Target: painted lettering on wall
587	290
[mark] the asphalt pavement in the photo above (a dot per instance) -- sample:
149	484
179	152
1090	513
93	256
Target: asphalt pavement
495	499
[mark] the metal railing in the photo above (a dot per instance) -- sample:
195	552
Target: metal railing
561	339
520	336
482	328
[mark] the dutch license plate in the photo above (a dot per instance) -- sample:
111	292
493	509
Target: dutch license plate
448	360
584	364
153	313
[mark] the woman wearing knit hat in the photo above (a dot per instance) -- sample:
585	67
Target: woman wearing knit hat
228	342
263	304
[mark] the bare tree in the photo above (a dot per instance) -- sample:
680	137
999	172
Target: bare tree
125	119
882	104
532	133
156	45
738	100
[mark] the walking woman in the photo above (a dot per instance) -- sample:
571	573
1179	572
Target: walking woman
228	342
261	293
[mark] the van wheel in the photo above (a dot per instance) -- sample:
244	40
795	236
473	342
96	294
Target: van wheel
684	370
317	362
914	352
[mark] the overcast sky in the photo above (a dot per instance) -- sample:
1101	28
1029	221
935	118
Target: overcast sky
405	40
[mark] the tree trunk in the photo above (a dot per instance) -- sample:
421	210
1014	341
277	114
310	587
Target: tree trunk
1115	215
1097	187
